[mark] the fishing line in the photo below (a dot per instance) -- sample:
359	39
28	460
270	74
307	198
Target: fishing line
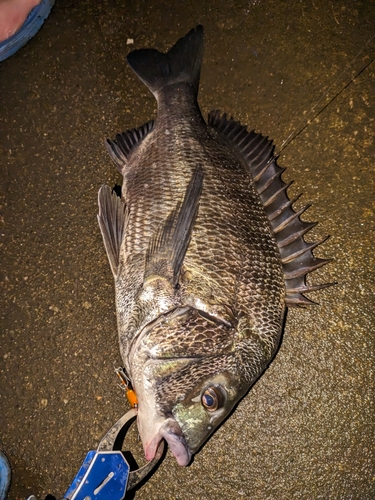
297	130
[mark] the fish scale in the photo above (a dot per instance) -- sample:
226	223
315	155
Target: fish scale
206	251
228	208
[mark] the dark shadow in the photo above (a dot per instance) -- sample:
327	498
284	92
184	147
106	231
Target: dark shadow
117	190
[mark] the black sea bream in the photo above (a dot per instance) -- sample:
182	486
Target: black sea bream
206	252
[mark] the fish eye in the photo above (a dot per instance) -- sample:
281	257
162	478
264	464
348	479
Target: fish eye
212	398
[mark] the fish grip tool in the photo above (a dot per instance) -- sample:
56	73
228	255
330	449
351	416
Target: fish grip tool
105	473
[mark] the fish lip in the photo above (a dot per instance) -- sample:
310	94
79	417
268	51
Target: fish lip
172	433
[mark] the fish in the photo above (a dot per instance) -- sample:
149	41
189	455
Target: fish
206	251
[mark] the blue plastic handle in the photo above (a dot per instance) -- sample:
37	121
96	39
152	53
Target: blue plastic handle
102	476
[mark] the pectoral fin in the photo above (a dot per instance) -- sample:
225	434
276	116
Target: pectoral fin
112	222
170	242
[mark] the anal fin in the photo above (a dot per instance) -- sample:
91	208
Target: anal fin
112	221
121	147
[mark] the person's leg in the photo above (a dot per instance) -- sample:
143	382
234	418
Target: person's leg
13	14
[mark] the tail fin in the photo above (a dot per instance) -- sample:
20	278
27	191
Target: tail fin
182	63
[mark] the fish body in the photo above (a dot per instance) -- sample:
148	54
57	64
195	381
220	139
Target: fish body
206	252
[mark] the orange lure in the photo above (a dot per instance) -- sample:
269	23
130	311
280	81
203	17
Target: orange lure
126	385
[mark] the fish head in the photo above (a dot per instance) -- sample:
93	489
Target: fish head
187	380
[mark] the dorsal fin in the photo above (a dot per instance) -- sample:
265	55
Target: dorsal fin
296	254
120	148
170	242
112	220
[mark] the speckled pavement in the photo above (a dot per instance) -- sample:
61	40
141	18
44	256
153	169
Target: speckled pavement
305	431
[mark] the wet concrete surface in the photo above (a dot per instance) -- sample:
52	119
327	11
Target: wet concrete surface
305	430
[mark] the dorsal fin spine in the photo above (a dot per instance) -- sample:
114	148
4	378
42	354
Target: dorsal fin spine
268	202
294	216
268	182
293	237
283	207
309	246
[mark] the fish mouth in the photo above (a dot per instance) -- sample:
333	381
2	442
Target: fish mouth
172	433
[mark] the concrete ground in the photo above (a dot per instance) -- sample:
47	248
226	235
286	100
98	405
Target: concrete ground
305	430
